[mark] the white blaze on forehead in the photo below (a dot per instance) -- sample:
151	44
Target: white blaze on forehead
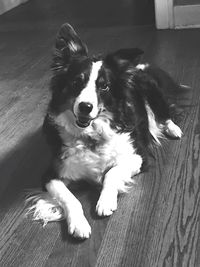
89	94
96	66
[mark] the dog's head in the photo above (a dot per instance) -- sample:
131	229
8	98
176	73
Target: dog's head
84	87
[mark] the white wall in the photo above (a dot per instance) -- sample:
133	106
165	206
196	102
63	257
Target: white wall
178	16
6	5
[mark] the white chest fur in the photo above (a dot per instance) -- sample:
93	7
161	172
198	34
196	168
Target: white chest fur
95	151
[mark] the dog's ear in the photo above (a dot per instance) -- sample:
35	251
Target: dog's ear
67	45
126	56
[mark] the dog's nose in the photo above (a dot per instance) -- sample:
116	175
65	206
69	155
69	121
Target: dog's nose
85	108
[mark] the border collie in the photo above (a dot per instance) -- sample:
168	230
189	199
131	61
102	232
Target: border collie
104	114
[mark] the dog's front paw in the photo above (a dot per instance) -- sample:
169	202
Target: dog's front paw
78	226
106	204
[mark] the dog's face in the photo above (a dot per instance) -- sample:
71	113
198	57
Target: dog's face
83	87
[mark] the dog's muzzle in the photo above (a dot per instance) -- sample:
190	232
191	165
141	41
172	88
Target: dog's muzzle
83	117
83	122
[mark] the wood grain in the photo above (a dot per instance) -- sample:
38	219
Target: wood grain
157	223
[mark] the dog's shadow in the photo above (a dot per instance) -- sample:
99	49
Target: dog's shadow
21	170
22	166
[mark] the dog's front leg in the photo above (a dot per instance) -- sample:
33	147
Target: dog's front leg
78	226
112	184
107	202
115	181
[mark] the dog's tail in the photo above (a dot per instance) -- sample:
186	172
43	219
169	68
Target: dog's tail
42	207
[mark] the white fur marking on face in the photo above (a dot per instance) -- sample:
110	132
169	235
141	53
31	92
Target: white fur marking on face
67	120
172	129
88	94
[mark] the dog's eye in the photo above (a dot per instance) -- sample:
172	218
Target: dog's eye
102	84
104	87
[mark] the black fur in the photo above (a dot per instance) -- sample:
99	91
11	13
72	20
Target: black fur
121	87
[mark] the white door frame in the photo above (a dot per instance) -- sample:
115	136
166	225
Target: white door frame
164	12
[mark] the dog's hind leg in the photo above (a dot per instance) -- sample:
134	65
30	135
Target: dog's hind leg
161	111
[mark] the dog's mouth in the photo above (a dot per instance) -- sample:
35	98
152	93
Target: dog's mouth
83	122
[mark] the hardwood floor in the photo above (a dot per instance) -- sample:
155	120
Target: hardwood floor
158	223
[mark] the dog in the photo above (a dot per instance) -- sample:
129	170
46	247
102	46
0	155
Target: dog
104	115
